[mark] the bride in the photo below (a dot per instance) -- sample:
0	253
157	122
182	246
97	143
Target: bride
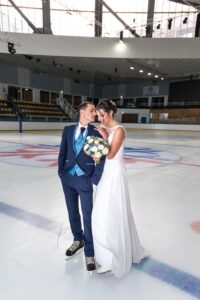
116	241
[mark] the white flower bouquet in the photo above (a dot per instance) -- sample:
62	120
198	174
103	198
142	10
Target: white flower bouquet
95	146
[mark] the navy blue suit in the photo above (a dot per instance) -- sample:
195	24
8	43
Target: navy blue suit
74	186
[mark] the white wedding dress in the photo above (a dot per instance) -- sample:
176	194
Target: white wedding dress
116	242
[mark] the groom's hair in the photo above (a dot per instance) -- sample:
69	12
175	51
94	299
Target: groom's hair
83	106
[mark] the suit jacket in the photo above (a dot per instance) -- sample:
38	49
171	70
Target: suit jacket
68	158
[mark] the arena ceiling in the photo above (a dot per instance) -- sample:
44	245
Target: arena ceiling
104	71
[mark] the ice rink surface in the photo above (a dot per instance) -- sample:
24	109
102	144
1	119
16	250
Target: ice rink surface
164	179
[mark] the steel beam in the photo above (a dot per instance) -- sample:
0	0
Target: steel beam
119	19
98	19
197	27
150	17
35	29
46	16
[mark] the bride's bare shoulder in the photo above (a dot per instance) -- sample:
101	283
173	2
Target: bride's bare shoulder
120	125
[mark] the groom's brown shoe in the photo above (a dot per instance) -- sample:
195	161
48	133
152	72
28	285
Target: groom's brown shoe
90	263
76	246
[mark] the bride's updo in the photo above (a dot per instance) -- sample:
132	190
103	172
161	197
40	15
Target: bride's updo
107	106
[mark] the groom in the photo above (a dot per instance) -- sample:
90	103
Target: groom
77	172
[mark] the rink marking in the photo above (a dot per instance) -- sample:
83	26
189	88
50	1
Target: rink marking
171	275
181	280
45	155
129	140
195	226
29	218
188	164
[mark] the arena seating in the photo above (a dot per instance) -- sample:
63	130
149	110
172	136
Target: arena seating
13	110
175	115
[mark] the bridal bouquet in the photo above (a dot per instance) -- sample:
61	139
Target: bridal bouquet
95	146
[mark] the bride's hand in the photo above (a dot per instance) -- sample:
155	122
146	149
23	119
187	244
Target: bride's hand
102	132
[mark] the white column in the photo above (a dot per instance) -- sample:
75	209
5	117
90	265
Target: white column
23	77
3	91
20	91
166	100
36	95
67	86
149	101
121	90
61	95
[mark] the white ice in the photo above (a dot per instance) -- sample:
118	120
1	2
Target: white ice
164	182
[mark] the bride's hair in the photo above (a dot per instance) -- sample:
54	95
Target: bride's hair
107	106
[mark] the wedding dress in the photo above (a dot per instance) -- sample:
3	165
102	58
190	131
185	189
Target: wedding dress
116	242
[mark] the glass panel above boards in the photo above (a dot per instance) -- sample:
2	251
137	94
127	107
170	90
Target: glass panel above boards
142	102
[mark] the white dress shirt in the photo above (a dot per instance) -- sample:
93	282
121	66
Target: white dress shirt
78	130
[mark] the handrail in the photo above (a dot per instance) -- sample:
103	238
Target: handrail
68	108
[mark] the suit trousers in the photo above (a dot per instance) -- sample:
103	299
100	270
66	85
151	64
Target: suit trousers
73	187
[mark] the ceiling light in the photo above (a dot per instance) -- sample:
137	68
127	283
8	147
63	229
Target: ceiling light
162	78
141	71
149	74
132	68
156	76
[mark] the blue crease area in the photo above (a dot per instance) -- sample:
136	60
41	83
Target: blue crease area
179	279
149	157
142	150
29	218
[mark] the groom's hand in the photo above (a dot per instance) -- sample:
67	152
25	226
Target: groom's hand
102	132
60	174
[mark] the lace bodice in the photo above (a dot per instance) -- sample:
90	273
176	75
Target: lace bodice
111	132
